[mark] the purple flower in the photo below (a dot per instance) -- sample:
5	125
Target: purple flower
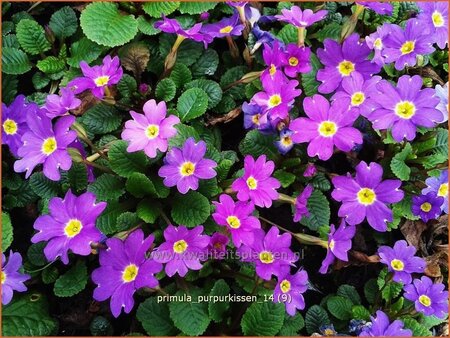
69	226
401	261
326	127
237	217
256	184
255	118
342	60
381	327
290	289
310	170
405	107
97	78
217	246
434	16
301	203
278	95
150	132
299	18
12	279
270	253
403	46
366	196
183	167
442	93
182	250
123	269
297	60
46	144
275	58
439	185
90	169
59	105
262	37
358	93
225	27
375	42
339	243
14	122
427	206
285	143
143	88
428	298
382	8
235	4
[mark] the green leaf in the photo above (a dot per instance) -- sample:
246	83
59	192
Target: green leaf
417	329
9	87
349	292
107	187
14	61
40	80
27	315
188	52
72	282
35	254
158	8
321	182
190	209
389	290
124	163
190	317
183	133
147	26
398	165
196	7
166	90
315	317
371	290
127	86
107	222
285	178
288	34
319	209
140	185
206	64
7	231
292	325
77	177
340	307
104	24
127	220
211	88
44	187
31	37
101	119
148	210
309	82
51	65
155	318
441	146
232	75
192	104
180	75
331	31
50	275
263	319
360	312
83	50
64	22
217	309
257	144
431	321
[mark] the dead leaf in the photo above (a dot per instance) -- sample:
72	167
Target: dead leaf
135	57
87	102
413	230
228	117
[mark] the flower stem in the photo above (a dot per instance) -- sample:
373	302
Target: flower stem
301	33
286	199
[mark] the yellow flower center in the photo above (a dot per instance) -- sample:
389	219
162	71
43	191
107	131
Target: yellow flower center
49	146
10	127
73	228
180	246
152	131
266	257
397	265
130	273
425	300
378	43
327	128
226	30
425	207
366	196
358	98
438	19
287	141
255	119
3	277
274	100
329	332
233	222
187	169
272	69
331	244
407	47
405	109
346	68
443	190
285	286
218	245
293	61
102	81
252	183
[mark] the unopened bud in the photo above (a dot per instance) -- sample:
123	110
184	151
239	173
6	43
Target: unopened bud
75	155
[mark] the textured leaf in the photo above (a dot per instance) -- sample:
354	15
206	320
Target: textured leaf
360	312
140	185
371	290
398	165
155	318
309	82
183	133
50	275
127	86
195	7
166	90
83	50
349	292
35	254
51	65
101	119
206	64
257	144
107	222
31	37
148	210
263	319
417	329
14	61
331	31
319	209
340	307
40	80
180	75
188	52
7	231
211	88
285	178
9	87
288	34
191	209
158	8
127	221
134	57
147	26
72	282
104	24
232	75
316	317
217	309
44	187
192	104
124	163
292	325
77	177
64	22
107	187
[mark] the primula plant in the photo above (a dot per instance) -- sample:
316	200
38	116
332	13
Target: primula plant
224	168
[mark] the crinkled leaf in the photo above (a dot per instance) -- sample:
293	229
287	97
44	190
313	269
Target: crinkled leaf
7	231
194	7
206	64
101	119
211	88
340	307
124	163
31	37
190	209
64	22
44	187
148	210
83	50
158	8
315	317
14	61
217	309
155	318
166	90
192	104
257	144
319	209
72	282
263	319
107	187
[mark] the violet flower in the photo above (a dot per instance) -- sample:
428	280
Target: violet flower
289	290
438	185
442	93
367	196
310	170
182	250
70	225
184	167
375	42
225	27
301	203
60	105
284	144
123	269
326	127
382	327
150	131
275	58
46	144
434	16
237	217
428	298
256	184
382	8
270	252
262	37
217	246
401	261
297	60
255	118
11	277
339	243
300	19
427	206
